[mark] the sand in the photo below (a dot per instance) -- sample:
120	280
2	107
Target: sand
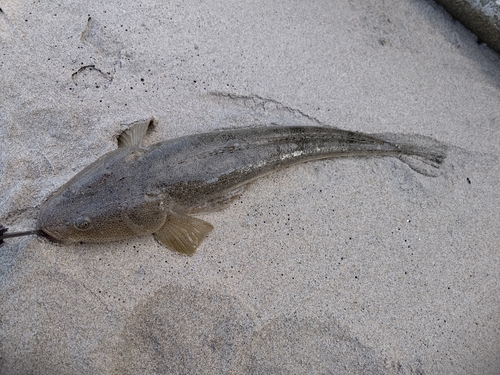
349	266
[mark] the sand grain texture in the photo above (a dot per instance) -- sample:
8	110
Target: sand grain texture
350	266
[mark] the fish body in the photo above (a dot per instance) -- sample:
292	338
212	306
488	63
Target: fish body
136	190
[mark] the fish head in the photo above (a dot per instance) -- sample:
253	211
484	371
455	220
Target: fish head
98	206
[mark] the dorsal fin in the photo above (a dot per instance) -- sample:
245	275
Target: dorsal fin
133	136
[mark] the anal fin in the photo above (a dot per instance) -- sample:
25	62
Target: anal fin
218	202
183	233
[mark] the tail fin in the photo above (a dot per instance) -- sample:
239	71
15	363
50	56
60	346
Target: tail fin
422	154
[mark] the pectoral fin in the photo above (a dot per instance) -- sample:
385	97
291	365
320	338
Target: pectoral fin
183	233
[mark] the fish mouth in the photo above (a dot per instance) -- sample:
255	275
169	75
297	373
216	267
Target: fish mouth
46	235
52	235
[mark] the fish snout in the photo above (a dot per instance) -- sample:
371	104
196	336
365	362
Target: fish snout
51	225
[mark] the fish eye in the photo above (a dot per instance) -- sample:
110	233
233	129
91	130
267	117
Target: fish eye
82	223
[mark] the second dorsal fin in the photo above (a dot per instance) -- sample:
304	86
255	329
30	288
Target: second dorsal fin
133	136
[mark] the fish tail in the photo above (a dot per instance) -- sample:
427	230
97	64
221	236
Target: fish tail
422	154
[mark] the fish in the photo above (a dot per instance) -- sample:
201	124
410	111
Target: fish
160	189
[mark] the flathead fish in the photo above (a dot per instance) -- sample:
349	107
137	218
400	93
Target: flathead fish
138	190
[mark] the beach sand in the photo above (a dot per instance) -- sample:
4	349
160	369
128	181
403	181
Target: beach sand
347	266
